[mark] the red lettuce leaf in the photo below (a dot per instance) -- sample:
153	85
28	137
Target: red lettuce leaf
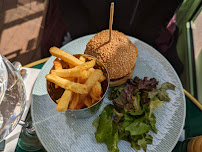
145	83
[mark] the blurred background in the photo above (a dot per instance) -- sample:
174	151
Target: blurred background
28	28
21	27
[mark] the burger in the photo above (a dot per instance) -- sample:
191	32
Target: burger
118	55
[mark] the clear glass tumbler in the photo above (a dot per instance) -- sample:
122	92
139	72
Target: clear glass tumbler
12	97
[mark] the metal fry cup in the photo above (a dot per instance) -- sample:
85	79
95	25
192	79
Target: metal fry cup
87	112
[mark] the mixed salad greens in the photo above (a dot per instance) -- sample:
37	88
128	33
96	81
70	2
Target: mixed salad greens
131	116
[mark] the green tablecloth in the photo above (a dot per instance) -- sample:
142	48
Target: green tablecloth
193	123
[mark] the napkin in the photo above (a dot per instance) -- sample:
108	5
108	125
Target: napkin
12	139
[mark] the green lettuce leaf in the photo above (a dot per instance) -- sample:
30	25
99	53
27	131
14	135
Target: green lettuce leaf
135	138
167	85
135	145
105	127
149	139
96	122
136	102
128	119
153	123
113	142
138	127
152	120
117	116
137	113
161	93
106	131
115	92
142	143
156	103
124	135
152	93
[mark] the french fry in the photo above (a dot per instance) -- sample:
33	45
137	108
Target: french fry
70	79
80	105
74	72
71	65
64	101
65	65
65	56
102	78
57	101
86	65
96	91
57	66
82	79
81	58
66	84
94	101
91	70
88	101
90	82
94	97
94	77
74	102
85	75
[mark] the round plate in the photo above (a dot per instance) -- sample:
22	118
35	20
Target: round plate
60	132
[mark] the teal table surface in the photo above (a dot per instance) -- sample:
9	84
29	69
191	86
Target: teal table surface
193	123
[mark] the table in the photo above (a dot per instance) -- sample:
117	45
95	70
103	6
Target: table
193	121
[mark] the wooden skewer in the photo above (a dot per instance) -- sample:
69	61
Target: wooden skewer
111	19
196	102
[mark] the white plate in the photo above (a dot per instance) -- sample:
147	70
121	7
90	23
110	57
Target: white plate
60	132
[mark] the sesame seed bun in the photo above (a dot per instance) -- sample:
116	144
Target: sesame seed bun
118	55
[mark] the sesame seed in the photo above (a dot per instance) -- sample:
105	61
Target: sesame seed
118	55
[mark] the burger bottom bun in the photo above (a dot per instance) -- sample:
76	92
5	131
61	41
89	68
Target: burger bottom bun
120	81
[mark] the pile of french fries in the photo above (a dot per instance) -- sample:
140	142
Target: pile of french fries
82	83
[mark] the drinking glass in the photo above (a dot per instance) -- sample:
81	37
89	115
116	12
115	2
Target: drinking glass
12	97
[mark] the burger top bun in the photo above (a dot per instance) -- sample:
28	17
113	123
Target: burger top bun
118	55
